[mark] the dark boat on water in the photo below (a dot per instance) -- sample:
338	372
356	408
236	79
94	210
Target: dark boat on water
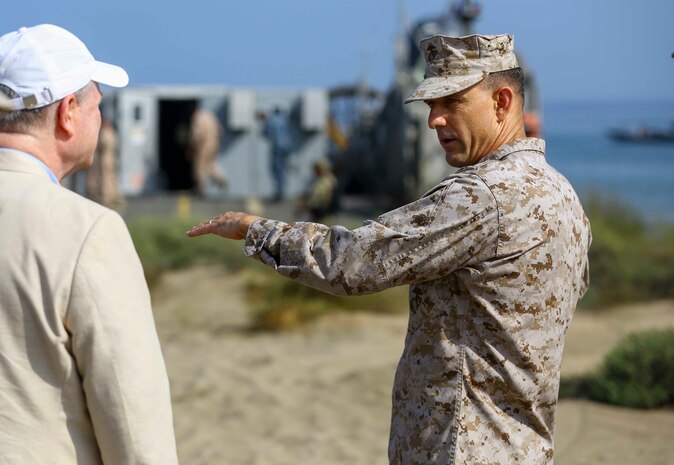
643	134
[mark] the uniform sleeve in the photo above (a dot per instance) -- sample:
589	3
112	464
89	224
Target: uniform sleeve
453	226
115	344
585	278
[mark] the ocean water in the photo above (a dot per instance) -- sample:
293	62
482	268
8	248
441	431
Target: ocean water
640	175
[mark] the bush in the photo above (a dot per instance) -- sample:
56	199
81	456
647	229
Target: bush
281	304
575	387
629	261
638	373
162	245
278	303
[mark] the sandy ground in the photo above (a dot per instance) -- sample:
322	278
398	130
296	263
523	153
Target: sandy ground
321	395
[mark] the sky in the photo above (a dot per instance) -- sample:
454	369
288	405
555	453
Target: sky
580	50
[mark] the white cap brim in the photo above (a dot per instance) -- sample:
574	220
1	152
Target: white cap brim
109	75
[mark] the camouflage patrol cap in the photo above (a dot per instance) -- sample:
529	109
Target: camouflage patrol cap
456	63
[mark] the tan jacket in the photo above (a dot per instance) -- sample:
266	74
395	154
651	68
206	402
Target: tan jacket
496	259
82	377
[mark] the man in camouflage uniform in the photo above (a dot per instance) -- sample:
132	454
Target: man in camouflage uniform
318	199
495	256
102	184
203	148
277	130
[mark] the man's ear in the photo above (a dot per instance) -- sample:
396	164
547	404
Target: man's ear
503	100
67	113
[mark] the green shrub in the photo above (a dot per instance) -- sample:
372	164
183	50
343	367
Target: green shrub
162	245
638	373
279	303
629	260
575	387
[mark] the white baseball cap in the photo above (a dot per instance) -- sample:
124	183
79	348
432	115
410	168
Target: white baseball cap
45	63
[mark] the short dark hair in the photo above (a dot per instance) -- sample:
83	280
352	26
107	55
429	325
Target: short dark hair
513	78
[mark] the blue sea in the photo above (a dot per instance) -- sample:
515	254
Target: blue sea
640	175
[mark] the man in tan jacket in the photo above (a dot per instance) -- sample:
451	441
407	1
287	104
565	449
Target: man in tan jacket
82	377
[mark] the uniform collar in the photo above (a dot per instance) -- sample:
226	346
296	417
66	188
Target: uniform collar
529	144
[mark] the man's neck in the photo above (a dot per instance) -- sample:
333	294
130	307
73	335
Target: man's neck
511	131
31	145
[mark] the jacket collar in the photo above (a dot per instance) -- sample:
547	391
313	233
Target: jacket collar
18	161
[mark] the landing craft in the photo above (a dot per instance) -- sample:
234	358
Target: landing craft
378	146
386	148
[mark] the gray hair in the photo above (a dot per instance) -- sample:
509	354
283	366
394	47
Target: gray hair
21	120
24	120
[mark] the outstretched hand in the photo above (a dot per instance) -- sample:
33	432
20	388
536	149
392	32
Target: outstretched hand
230	225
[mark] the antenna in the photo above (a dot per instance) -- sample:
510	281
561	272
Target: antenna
467	12
401	42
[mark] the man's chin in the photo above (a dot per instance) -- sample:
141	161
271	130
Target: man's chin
455	160
86	164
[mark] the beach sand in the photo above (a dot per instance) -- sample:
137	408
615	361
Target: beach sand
321	394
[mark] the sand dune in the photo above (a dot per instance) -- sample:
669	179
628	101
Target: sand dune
321	395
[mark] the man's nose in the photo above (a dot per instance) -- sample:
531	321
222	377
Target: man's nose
436	120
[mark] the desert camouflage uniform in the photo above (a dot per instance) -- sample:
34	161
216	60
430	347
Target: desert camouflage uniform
101	180
203	148
496	259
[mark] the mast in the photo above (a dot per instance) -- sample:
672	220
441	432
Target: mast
402	53
467	12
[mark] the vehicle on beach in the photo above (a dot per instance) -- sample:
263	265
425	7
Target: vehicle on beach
378	147
383	148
